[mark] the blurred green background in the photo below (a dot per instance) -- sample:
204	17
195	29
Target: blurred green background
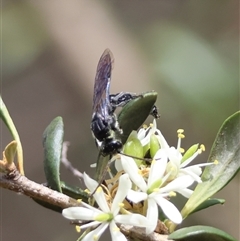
188	51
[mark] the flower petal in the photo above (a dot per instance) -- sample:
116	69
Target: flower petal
90	183
136	197
98	195
185	192
116	235
162	141
192	171
130	167
169	209
101	200
158	167
152	214
96	233
134	220
177	184
123	188
79	213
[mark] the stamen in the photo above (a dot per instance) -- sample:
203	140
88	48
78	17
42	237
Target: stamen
95	237
180	137
145	126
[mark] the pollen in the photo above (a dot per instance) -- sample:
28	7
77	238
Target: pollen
145	126
182	150
180	131
78	228
116	229
181	136
95	237
99	189
121	205
216	162
79	200
87	191
151	125
172	194
202	147
143	172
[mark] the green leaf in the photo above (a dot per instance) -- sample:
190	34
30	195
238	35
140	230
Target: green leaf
134	113
6	118
226	150
102	163
48	205
52	143
200	233
209	202
10	152
74	192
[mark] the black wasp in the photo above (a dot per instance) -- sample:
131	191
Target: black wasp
105	127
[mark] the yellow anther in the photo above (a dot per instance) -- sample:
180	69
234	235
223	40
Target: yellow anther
202	147
180	131
144	172
99	189
180	135
78	228
87	191
121	205
151	125
172	194
216	162
116	229
144	126
182	150
79	200
95	237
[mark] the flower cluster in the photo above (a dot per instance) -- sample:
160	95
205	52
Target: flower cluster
147	185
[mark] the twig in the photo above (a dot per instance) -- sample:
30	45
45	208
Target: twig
14	181
138	234
68	165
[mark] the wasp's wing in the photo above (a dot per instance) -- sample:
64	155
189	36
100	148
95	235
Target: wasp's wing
101	103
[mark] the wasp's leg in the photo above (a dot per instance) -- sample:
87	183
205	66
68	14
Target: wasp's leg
122	98
154	112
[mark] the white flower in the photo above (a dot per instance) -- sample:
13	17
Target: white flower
153	191
104	216
177	165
